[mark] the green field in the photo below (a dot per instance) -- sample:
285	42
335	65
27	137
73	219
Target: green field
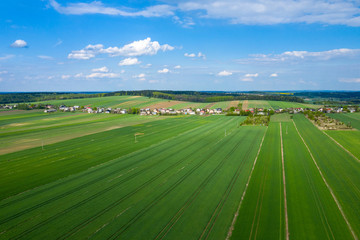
352	118
77	175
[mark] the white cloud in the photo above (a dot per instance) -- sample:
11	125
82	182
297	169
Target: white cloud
136	48
102	69
192	55
59	42
141	76
3	72
65	76
129	61
102	75
224	73
165	70
350	80
45	57
97	7
51	77
303	55
185	22
246	79
260	12
19	44
147	65
6	57
251	75
177	67
273	75
79	75
201	55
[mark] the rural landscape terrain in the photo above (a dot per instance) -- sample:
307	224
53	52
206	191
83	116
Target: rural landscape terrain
70	174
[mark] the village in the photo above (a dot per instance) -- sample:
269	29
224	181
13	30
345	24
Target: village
186	111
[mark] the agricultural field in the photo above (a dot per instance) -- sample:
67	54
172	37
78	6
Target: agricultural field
352	118
131	190
108	176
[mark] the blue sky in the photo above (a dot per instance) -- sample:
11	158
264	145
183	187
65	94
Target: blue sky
231	45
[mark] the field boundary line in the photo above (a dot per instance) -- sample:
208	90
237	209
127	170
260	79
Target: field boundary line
244	193
327	185
284	181
341	146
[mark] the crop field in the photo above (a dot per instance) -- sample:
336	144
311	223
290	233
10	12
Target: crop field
352	118
150	184
108	176
280	104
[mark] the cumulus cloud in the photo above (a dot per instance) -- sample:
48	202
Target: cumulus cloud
141	76
259	12
79	75
251	75
224	73
193	55
19	44
350	80
129	62
177	67
273	75
97	7
102	69
102	75
165	70
136	48
65	76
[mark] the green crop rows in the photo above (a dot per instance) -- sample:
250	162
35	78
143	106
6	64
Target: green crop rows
186	177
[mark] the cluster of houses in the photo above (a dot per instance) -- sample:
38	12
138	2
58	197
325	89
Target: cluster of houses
142	112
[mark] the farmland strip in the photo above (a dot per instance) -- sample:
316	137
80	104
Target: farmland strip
204	183
341	146
103	191
284	181
161	196
244	193
327	185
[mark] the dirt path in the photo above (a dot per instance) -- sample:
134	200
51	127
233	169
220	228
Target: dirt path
342	147
284	181
245	105
327	185
231	229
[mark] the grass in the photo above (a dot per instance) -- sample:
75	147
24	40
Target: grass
281	117
280	104
261	215
348	139
309	201
117	198
340	170
36	129
27	169
352	118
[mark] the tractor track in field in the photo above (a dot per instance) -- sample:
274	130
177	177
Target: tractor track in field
327	185
164	194
193	197
352	155
244	193
129	155
85	200
227	193
284	182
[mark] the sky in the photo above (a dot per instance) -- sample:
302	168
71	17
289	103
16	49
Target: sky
202	45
